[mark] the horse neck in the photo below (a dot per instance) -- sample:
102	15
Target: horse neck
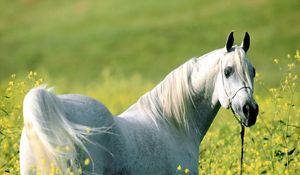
190	110
206	98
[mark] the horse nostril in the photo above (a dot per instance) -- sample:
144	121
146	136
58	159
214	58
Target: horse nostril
250	113
246	110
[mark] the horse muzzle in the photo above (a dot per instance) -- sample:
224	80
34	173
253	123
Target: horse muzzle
250	112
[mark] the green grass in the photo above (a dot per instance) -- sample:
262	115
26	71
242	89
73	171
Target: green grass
77	40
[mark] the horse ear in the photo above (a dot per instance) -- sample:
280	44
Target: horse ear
246	42
229	42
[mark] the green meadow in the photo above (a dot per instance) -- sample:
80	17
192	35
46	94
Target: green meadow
115	51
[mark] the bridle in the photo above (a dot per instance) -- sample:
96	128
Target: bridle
230	99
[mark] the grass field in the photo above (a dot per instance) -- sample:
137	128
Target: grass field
117	50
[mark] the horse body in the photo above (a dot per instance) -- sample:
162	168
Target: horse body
135	145
162	130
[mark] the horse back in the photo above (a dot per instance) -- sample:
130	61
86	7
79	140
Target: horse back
86	111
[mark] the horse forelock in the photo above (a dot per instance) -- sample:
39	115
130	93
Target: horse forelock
242	65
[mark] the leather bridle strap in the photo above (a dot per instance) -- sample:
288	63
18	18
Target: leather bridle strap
230	99
242	126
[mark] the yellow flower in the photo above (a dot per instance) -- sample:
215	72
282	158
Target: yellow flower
88	130
43	162
286	81
87	161
257	97
179	168
186	171
30	75
291	65
297	56
79	171
36	83
257	75
276	61
10	83
228	172
58	149
13	76
272	90
67	148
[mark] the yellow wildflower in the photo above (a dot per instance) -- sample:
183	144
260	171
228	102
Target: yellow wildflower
43	162
58	149
286	81
87	161
291	65
257	75
13	76
272	90
297	56
257	97
186	171
30	74
10	83
179	168
79	171
67	148
88	130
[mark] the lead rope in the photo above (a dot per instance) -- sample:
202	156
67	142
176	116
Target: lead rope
242	141
242	148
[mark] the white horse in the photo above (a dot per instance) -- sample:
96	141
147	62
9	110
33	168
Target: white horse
162	130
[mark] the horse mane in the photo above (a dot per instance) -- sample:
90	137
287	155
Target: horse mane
172	99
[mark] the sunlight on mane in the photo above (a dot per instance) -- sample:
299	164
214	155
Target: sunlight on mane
171	100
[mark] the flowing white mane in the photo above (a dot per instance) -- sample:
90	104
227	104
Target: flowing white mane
172	99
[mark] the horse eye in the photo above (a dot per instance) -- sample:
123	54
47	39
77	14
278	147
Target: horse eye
228	71
254	72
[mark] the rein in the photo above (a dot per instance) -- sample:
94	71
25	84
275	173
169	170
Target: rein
242	141
242	133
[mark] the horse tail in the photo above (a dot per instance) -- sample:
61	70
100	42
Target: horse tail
53	139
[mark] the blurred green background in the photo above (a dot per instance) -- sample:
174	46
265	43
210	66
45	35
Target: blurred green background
81	46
